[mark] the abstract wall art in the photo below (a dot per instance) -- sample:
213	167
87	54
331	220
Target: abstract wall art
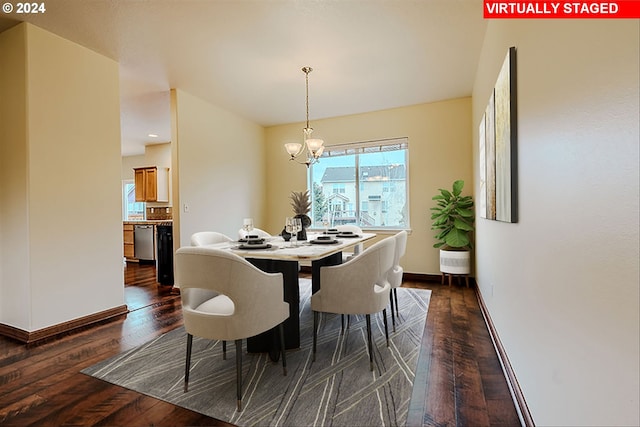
498	147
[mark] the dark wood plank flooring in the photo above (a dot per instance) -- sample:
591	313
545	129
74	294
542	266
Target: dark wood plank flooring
459	380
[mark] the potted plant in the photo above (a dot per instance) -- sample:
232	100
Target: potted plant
453	218
301	206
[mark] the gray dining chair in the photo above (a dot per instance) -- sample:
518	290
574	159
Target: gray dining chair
249	302
358	286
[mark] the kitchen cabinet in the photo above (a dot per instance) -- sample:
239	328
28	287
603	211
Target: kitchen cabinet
152	184
127	239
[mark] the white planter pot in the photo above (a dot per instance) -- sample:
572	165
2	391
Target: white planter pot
455	262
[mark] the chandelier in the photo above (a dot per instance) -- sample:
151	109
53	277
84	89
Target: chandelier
312	147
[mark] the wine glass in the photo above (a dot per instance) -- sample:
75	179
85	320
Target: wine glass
326	222
247	224
298	222
289	227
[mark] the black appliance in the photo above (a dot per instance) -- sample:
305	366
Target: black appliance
164	260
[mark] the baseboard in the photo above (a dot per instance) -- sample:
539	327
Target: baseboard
512	382
29	337
416	277
421	277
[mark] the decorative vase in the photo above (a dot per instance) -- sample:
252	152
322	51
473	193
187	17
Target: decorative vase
285	235
455	262
306	222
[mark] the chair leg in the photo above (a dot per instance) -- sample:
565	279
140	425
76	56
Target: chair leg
282	352
368	317
239	373
315	334
395	295
224	350
342	324
393	318
188	362
386	328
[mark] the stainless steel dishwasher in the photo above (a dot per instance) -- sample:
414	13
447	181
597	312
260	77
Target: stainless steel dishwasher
144	248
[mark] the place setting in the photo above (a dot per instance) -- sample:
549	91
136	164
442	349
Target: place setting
324	240
347	235
251	242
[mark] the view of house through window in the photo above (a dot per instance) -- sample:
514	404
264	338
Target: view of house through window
131	210
361	183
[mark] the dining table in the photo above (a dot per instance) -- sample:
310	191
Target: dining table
275	255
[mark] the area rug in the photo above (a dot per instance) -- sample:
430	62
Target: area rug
337	389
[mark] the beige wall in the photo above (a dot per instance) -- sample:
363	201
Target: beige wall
439	153
219	159
14	232
64	215
562	284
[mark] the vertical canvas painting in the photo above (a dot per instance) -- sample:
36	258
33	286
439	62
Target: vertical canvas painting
497	145
482	198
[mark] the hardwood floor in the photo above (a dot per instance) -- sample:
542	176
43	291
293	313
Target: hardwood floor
459	380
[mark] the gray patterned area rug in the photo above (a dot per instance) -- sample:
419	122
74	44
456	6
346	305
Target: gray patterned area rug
337	389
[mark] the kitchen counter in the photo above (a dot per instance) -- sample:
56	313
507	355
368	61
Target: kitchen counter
149	222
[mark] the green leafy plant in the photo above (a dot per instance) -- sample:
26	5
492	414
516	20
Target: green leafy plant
453	218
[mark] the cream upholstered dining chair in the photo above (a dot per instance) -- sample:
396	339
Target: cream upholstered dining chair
202	238
358	286
249	302
395	274
357	248
254	232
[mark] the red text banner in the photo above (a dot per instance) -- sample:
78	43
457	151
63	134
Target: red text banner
629	9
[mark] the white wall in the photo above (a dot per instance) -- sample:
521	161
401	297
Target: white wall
66	209
130	162
220	162
562	284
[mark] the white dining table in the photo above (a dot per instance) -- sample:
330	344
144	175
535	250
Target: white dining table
284	257
303	250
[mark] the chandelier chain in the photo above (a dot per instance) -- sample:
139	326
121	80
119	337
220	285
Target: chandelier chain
306	71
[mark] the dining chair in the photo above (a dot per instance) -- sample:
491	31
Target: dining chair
254	232
358	286
202	238
394	276
357	248
249	302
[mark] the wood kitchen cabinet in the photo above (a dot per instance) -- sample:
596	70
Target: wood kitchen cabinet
152	184
127	239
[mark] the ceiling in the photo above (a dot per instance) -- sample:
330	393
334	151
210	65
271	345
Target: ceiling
246	55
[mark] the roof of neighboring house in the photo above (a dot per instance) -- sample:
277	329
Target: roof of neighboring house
367	173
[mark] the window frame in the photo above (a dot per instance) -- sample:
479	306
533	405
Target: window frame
125	210
367	147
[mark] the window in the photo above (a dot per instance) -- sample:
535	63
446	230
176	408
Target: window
338	188
362	183
131	210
